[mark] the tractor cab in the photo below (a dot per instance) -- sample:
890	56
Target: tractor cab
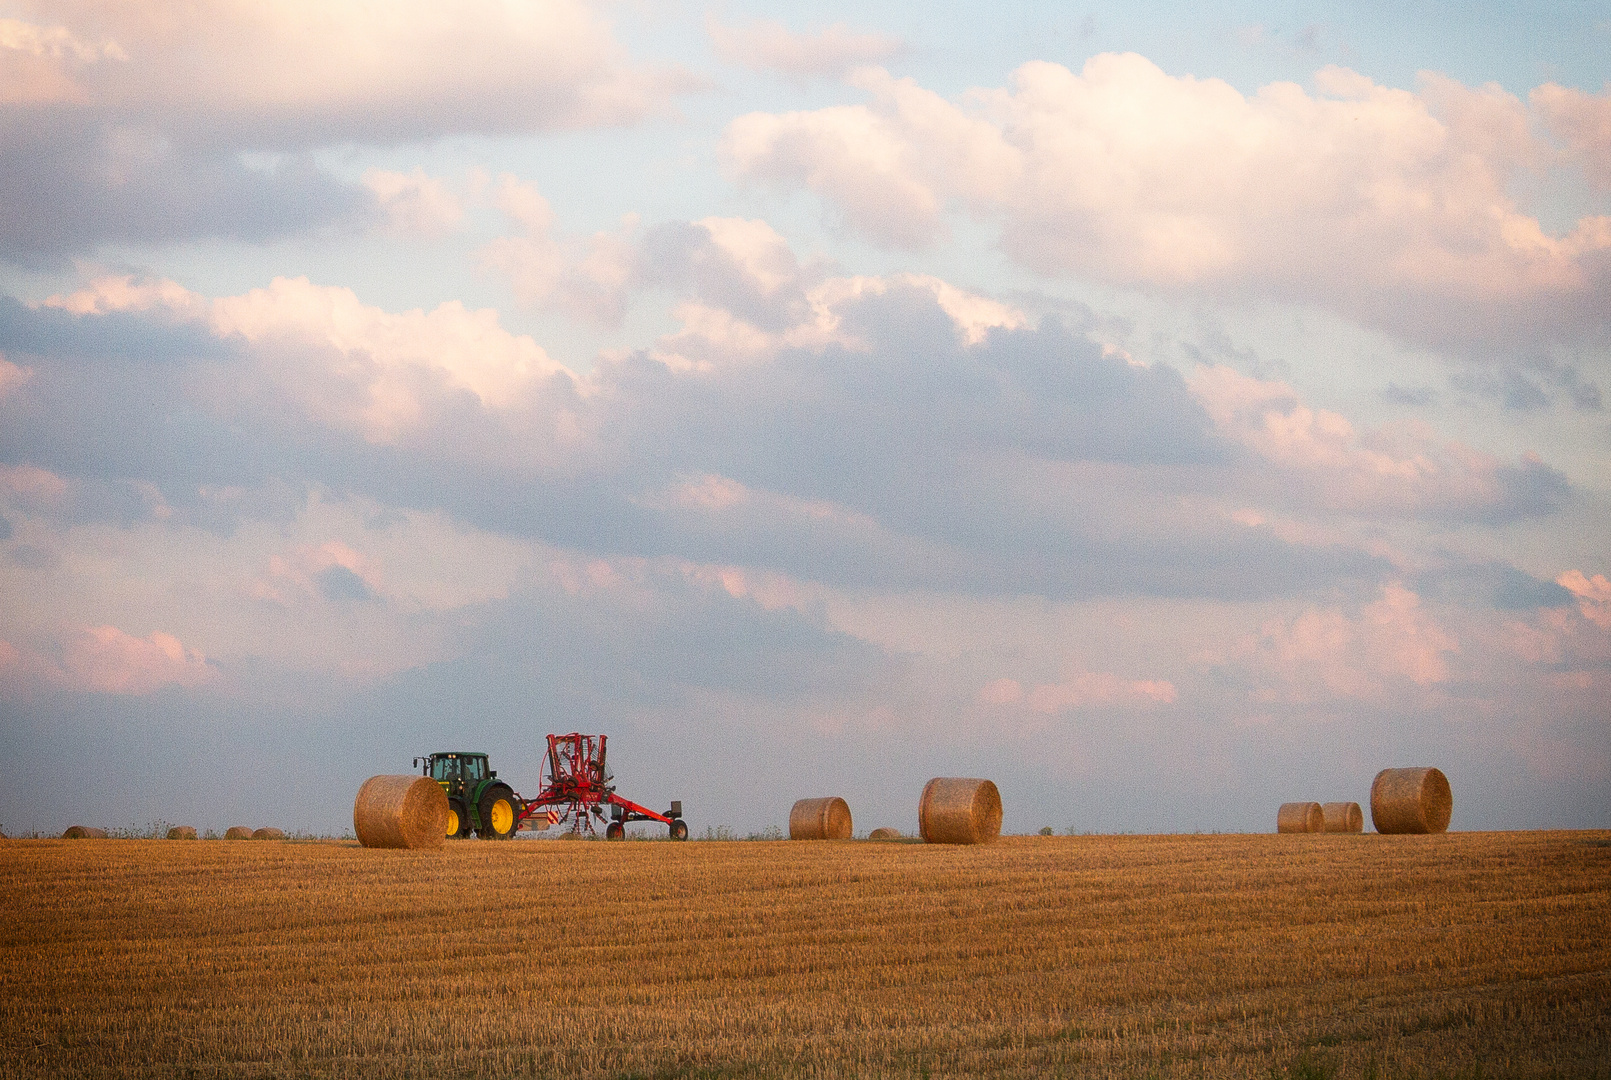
457	771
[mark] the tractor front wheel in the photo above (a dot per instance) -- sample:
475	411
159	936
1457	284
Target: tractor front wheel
498	814
615	831
679	829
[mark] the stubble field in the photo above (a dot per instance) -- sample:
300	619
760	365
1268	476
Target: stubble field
1190	956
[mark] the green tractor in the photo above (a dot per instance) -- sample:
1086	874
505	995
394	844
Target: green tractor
477	800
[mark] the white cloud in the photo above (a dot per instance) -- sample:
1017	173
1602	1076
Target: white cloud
413	202
105	660
1387	206
349	363
11	376
38	62
769	45
1593	595
319	72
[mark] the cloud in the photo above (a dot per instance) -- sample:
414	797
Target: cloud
132	124
1581	121
1593	596
295	73
354	365
770	46
1386	206
1402	470
1328	653
11	376
1085	689
415	203
589	278
106	660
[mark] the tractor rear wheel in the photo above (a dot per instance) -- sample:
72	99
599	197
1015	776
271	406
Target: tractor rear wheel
458	822
498	814
679	829
615	831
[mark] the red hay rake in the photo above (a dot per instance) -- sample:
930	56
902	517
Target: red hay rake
577	787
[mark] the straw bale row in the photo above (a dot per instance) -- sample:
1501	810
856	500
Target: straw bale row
1401	801
952	810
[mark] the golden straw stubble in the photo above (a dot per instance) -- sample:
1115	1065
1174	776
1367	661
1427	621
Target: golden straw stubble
400	812
1343	817
1298	817
1411	801
959	810
820	819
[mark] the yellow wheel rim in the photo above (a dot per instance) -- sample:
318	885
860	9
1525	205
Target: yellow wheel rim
502	817
453	822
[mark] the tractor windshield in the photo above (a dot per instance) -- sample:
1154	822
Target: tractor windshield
445	768
475	768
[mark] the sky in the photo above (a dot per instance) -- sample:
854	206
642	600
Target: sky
1165	411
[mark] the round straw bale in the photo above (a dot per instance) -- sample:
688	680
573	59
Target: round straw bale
83	832
1343	817
400	812
182	832
1300	817
237	832
820	819
267	834
959	810
884	834
1410	801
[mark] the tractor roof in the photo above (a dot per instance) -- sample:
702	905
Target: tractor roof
460	753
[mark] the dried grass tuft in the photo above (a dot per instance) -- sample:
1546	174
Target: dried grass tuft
1300	817
1343	817
182	832
885	833
1411	801
237	832
959	810
400	812
267	834
820	819
83	832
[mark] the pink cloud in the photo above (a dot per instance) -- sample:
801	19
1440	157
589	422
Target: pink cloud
1581	121
1326	652
1404	469
1593	596
104	659
1083	690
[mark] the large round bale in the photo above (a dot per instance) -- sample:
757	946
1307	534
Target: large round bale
83	832
884	833
237	832
1300	817
400	812
182	832
1343	817
268	834
1410	801
959	810
820	819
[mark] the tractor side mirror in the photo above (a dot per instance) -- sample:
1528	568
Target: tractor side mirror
676	808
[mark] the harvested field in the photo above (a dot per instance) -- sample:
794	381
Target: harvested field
1452	955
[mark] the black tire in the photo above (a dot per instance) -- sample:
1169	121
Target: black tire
458	820
499	809
615	831
679	829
